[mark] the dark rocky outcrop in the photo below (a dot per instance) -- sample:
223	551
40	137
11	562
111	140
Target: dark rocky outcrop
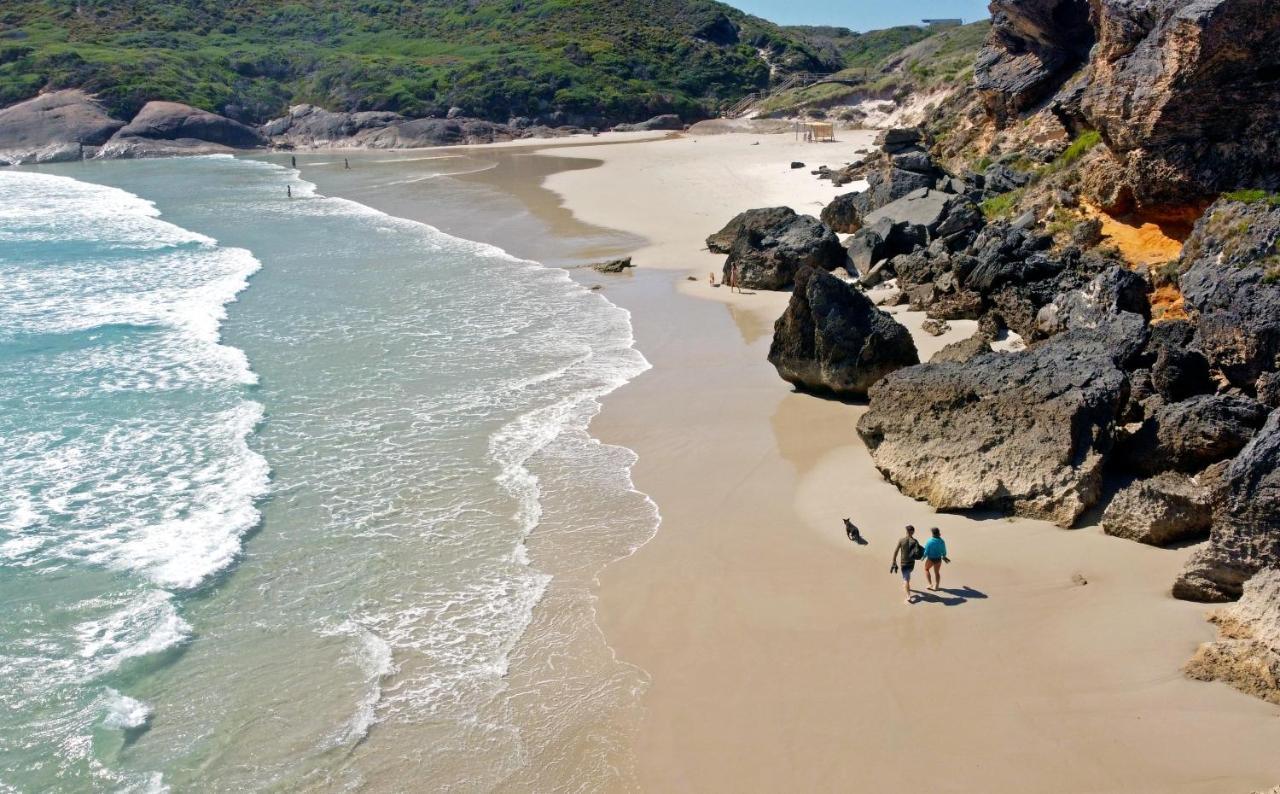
1246	653
173	121
417	133
313	127
1023	432
841	214
1231	281
308	125
769	258
904	166
1245	537
1189	435
1178	370
668	121
1155	85
1164	509
757	221
54	127
1000	272
924	207
963	350
1113	304
867	248
833	340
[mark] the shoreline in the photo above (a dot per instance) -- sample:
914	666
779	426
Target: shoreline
777	653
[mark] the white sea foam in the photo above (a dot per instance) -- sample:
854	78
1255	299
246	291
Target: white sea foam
144	625
373	654
165	488
124	713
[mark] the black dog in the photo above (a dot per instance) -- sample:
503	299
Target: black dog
852	532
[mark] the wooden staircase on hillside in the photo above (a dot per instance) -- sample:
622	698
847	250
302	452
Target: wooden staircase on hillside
797	80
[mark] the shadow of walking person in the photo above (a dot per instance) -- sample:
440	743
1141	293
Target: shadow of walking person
955	596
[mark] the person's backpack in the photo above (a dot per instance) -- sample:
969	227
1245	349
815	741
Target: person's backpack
917	551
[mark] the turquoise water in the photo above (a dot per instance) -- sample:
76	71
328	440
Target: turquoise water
298	495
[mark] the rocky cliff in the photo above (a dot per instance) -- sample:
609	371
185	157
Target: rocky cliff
1185	93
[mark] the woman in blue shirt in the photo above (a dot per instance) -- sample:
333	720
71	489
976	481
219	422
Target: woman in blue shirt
935	553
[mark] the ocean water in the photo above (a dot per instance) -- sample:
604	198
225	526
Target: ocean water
296	495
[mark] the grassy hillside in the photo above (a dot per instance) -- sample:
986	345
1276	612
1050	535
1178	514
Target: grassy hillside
609	59
859	50
905	60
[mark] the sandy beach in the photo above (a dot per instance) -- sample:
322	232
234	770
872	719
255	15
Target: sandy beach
776	654
780	655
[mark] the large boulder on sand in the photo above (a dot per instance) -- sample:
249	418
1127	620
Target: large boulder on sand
832	339
173	121
1246	654
1190	435
770	259
758	221
53	127
1164	509
1245	537
1025	432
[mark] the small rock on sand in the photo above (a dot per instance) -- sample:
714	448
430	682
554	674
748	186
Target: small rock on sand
613	265
935	327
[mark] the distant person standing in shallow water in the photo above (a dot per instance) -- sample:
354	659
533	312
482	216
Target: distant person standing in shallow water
905	555
935	553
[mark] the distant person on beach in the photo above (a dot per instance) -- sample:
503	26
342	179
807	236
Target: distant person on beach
288	191
712	276
935	553
293	161
346	163
733	279
905	555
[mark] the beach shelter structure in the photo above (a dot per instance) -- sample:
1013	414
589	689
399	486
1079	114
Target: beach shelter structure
818	130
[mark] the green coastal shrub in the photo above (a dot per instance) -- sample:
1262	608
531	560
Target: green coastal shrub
1080	146
1001	206
1253	196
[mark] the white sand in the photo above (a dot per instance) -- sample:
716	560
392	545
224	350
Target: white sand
782	656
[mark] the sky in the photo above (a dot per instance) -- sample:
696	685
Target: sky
862	14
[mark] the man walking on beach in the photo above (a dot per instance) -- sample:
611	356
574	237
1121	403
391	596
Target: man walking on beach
935	553
905	555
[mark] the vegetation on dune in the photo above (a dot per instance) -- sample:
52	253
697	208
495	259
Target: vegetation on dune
859	50
609	59
886	64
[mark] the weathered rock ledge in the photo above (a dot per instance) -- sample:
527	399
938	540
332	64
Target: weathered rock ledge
1246	654
1025	433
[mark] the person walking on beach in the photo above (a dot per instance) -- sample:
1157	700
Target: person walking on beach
905	555
935	553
